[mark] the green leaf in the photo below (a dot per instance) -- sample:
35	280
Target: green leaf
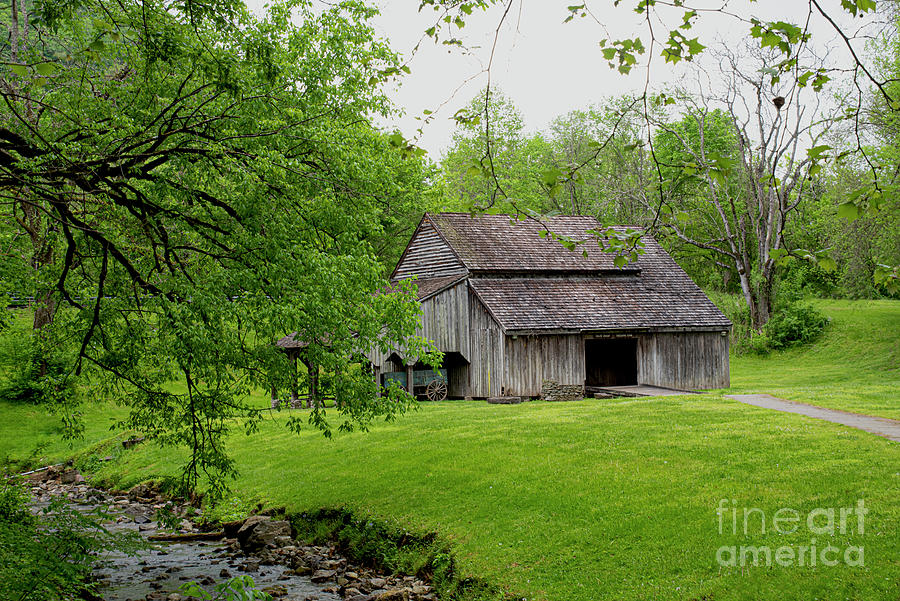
854	7
817	152
694	46
820	81
45	68
828	264
20	70
848	210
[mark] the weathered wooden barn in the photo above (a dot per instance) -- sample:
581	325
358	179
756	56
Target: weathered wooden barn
517	314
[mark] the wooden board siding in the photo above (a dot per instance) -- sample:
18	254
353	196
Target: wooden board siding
486	365
445	320
427	256
381	360
532	359
684	360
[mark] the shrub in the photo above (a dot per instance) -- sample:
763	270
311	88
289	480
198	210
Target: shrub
27	385
757	343
736	310
13	507
794	324
49	556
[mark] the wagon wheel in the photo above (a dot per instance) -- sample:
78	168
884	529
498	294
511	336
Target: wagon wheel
436	390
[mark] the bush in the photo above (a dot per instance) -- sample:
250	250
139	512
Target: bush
794	324
13	508
49	556
736	310
756	343
26	384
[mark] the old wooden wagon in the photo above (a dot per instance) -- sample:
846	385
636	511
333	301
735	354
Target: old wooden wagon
430	384
516	314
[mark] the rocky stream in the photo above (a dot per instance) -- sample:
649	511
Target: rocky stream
259	546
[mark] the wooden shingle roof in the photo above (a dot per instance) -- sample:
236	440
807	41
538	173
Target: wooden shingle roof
593	304
529	282
430	287
291	342
499	243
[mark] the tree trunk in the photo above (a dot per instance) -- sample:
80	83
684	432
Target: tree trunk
764	302
759	301
44	309
32	220
757	297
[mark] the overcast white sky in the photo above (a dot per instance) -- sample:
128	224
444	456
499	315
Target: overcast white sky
545	66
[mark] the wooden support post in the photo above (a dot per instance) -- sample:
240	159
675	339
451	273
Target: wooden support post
377	370
294	384
409	379
313	400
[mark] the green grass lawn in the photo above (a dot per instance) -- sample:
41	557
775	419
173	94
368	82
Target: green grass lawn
603	499
31	437
593	499
855	366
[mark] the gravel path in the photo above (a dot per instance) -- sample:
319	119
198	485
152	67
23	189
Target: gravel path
889	428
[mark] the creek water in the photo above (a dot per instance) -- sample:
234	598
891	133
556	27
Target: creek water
166	567
163	568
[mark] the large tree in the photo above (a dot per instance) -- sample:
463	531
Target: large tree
736	169
195	182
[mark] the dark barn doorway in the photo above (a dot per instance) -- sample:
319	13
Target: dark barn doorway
610	361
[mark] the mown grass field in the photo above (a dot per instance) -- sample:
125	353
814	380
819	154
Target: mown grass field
598	499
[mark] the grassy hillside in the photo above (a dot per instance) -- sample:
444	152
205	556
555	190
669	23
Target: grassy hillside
600	499
855	366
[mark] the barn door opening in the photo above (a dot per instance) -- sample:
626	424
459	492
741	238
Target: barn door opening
610	361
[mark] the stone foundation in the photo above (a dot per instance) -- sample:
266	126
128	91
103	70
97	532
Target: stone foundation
554	391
